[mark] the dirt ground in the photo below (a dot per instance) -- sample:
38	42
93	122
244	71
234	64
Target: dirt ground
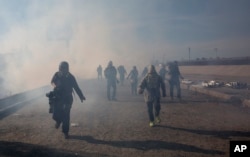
198	126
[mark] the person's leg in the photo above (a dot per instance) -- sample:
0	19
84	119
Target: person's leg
122	79
114	90
108	90
157	107
178	88
171	89
57	114
135	88
66	120
150	113
132	88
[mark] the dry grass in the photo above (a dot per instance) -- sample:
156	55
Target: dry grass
217	72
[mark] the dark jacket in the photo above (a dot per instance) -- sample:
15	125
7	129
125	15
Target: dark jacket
110	73
152	83
133	75
65	85
174	72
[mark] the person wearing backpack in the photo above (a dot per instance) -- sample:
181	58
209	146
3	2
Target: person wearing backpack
150	86
174	79
110	73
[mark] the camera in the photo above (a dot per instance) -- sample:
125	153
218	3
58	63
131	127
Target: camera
52	100
51	94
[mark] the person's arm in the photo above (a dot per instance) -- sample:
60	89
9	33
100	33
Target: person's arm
179	73
129	75
78	90
53	80
142	86
181	77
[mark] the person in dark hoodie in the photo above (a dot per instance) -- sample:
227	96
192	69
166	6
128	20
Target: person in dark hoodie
150	86
133	76
110	73
64	83
174	79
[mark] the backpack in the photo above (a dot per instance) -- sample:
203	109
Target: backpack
173	69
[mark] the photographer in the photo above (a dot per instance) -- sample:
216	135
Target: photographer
64	83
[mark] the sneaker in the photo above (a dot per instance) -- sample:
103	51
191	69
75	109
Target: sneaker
157	120
151	124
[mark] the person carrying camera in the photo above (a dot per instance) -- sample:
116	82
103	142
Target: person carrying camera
64	83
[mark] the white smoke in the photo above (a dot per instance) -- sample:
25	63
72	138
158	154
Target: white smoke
37	35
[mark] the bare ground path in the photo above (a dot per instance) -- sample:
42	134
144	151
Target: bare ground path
199	126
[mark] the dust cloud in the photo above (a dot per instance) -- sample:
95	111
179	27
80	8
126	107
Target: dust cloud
36	42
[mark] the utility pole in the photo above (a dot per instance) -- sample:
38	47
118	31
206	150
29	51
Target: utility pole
215	49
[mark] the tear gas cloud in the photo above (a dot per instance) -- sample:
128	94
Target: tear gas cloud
34	45
37	35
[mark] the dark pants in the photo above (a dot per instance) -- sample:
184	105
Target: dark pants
172	84
122	78
154	108
134	87
111	85
99	76
61	112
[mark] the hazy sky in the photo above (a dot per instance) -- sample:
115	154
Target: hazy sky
35	35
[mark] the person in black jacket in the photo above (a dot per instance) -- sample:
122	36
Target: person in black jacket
64	83
174	79
110	73
133	76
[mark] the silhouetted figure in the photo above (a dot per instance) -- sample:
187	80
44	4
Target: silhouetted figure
64	83
151	85
163	72
174	79
133	76
99	72
110	74
122	72
144	72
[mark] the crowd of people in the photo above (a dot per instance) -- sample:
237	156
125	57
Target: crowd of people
169	73
151	83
